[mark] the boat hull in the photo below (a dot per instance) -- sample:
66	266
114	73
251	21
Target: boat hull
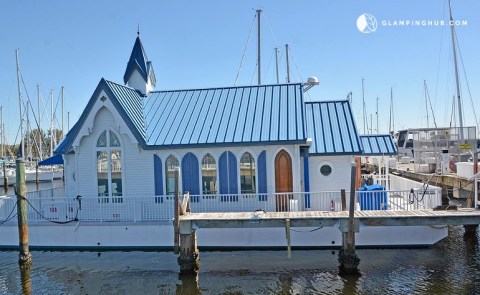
110	236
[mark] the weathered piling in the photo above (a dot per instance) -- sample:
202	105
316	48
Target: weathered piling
185	240
347	257
25	282
21	192
188	259
176	219
287	235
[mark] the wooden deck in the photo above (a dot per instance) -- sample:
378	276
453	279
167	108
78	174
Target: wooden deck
327	218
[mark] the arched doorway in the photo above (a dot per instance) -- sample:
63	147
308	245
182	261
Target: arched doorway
283	180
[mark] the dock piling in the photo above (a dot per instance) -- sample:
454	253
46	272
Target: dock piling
347	257
287	233
188	259
21	191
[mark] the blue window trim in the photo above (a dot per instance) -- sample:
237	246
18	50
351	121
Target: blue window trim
262	176
190	176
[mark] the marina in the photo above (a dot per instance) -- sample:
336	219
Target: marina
168	185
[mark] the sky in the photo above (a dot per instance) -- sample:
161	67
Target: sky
203	44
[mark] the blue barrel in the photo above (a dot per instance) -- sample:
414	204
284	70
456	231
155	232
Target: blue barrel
373	197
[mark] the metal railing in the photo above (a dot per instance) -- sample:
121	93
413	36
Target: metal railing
51	205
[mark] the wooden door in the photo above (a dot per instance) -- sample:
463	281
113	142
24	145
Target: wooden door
283	180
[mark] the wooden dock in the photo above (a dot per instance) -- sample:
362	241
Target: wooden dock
327	218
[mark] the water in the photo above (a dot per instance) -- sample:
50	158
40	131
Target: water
452	266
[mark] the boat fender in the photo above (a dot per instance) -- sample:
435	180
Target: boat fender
332	205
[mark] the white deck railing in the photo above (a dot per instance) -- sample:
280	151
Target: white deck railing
51	205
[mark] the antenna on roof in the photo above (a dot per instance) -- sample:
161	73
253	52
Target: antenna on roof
138	30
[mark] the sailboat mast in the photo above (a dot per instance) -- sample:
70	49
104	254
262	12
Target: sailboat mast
22	146
1	131
259	11
51	123
276	63
39	131
63	104
459	101
288	63
426	102
363	99
391	122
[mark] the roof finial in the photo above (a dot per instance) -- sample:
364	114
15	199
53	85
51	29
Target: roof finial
138	30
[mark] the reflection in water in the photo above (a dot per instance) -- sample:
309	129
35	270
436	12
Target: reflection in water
450	267
25	278
189	284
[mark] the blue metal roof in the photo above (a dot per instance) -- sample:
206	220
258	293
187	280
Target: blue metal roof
249	114
375	145
332	128
139	61
130	101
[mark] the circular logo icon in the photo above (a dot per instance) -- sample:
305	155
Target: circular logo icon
366	23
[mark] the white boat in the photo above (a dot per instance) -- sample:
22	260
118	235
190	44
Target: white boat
10	175
43	175
145	222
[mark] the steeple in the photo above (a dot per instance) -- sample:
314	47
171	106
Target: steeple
139	73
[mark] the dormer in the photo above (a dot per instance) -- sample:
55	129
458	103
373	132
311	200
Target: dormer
139	73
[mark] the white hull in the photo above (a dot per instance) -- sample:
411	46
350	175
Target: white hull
160	236
43	176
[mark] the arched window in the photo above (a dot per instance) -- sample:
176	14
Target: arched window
109	168
171	165
209	175
247	174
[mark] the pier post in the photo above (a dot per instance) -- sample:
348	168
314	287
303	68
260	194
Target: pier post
21	192
344	199
188	259
176	220
347	257
287	234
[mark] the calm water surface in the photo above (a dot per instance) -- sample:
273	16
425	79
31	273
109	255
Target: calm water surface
449	267
452	266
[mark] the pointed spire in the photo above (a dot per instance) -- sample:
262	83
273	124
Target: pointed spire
139	63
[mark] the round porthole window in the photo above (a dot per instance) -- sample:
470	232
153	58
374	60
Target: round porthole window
326	170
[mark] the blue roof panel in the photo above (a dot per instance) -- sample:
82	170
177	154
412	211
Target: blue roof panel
376	145
332	128
249	114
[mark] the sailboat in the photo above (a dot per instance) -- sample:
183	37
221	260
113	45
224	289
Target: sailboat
427	146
